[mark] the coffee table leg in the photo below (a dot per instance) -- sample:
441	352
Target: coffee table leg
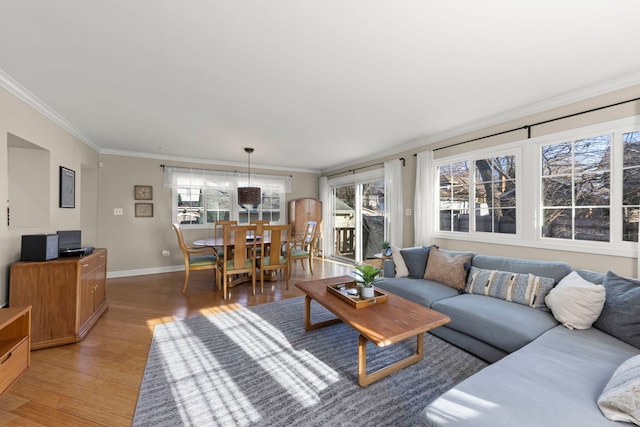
308	326
365	379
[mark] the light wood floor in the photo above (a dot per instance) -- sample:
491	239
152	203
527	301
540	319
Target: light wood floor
96	382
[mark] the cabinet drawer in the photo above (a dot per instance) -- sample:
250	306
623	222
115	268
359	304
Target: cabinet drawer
88	264
14	363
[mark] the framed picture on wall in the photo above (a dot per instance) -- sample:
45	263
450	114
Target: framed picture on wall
143	192
144	210
67	188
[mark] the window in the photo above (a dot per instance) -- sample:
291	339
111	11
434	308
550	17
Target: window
577	190
205	196
490	190
630	186
454	196
576	178
495	195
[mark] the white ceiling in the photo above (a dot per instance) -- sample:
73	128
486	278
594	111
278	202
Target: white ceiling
311	85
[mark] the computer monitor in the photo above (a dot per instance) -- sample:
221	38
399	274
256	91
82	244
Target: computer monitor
69	239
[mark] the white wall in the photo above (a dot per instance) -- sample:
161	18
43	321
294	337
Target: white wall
135	244
17	118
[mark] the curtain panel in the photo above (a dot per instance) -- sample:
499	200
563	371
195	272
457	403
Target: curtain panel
324	191
393	207
423	210
174	174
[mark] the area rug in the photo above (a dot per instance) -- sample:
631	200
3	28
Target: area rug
258	367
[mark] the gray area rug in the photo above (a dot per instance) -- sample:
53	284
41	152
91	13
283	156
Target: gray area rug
258	367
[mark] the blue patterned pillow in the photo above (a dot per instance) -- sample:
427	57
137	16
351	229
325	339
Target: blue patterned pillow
521	288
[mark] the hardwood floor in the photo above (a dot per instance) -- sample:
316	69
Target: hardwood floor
96	382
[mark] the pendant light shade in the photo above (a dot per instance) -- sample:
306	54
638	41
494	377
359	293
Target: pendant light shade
249	197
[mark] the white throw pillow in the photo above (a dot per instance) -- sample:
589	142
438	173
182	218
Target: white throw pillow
620	399
401	267
576	302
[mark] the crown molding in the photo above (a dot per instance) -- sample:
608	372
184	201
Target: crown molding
41	107
200	160
515	114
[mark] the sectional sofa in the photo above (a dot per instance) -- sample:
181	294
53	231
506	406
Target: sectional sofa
544	371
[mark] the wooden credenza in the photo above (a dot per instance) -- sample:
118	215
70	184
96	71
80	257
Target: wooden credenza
67	295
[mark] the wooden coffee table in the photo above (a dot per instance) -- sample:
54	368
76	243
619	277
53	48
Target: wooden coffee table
382	324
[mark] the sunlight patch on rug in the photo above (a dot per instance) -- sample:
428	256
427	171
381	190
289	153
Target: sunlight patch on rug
298	372
202	383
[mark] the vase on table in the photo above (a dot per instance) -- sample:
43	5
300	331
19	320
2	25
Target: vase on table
367	292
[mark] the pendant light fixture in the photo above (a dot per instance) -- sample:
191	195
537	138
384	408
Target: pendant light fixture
249	197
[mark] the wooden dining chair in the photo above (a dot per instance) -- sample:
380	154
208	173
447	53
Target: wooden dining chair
303	249
259	223
195	258
218	228
238	255
274	247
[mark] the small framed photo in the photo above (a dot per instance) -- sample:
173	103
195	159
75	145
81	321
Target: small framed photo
144	210
143	192
67	188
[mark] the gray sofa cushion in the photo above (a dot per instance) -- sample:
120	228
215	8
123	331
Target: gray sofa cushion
416	260
553	269
592	276
620	316
500	323
421	291
554	381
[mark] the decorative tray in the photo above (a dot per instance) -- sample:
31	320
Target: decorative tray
341	290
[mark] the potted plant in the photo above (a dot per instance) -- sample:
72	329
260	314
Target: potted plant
366	276
386	249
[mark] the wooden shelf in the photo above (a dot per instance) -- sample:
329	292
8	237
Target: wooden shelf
15	331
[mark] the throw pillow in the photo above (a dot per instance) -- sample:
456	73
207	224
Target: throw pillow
450	270
576	302
522	288
621	313
415	260
619	401
401	267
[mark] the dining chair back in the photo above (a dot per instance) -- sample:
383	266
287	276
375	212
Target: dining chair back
218	228
238	255
259	223
303	249
195	258
275	246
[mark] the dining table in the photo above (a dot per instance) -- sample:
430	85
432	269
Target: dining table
218	244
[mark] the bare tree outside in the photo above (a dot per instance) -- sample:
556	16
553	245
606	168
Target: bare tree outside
631	186
576	189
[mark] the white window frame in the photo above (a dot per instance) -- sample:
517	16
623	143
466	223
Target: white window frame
529	192
616	246
481	236
357	180
234	180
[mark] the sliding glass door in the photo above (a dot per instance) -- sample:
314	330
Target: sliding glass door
358	216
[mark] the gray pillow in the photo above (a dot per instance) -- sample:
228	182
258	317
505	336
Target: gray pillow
415	260
621	313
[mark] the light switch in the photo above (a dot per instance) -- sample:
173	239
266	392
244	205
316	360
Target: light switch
407	212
